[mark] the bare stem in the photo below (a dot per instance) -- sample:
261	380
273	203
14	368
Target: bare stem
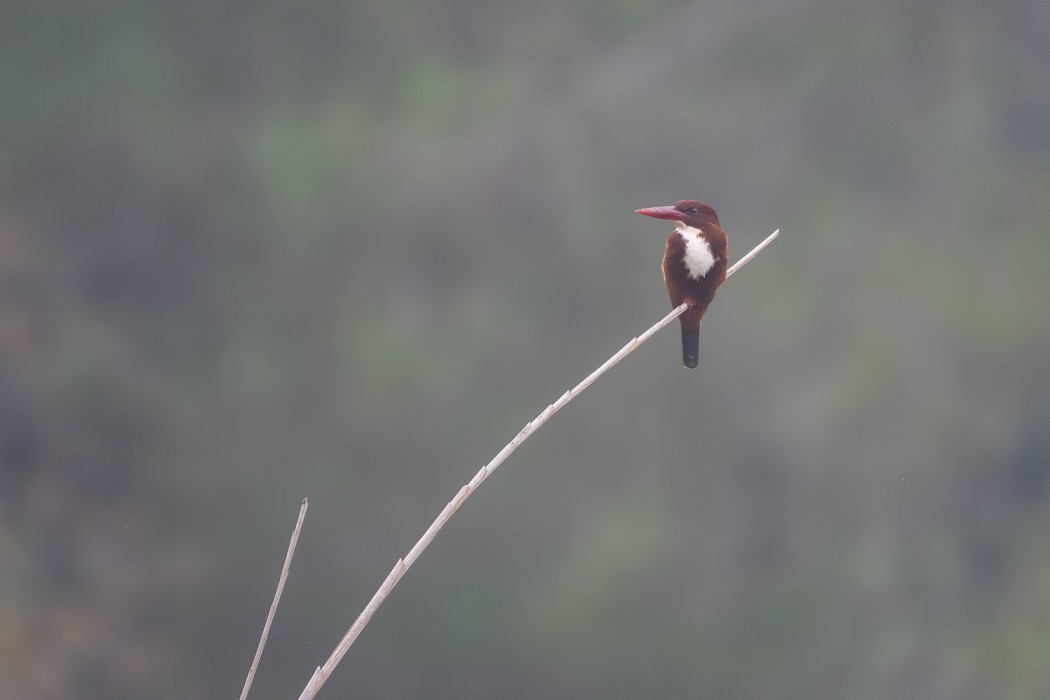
276	598
323	672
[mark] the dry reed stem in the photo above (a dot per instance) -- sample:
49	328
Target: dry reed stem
323	672
276	598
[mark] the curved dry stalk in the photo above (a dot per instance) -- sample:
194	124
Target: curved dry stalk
323	672
276	598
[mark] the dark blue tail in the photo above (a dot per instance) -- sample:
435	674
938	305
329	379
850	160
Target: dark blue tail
690	348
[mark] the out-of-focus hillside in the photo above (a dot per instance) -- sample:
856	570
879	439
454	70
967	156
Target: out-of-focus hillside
255	252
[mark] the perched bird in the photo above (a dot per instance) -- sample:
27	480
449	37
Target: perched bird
694	265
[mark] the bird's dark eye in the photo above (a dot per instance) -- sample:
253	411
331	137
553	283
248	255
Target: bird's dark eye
692	210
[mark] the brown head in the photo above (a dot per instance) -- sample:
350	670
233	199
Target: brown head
689	211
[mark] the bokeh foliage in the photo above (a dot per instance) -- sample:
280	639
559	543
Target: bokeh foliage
256	251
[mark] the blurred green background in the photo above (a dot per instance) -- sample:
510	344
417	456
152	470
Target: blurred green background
256	251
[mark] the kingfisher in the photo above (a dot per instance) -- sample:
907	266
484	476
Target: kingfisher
694	265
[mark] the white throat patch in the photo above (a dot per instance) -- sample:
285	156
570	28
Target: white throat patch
698	256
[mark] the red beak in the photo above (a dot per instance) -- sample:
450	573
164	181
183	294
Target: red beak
661	213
